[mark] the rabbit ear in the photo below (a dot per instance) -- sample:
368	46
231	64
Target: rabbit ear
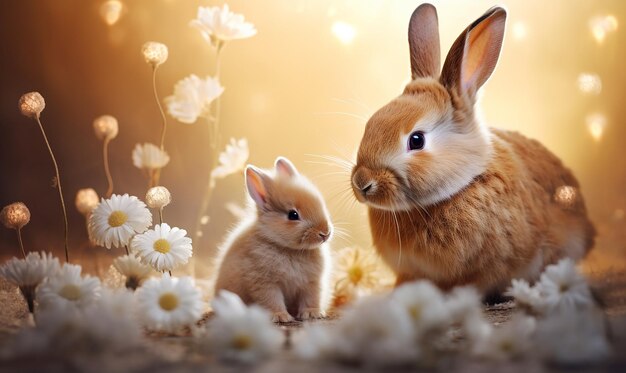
424	42
256	183
285	167
474	54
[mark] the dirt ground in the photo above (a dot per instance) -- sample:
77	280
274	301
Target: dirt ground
177	353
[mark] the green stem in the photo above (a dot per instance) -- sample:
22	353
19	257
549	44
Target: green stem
56	169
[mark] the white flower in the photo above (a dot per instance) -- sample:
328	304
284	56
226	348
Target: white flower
31	271
563	287
375	331
28	273
233	159
573	336
511	340
116	220
163	248
86	201
465	307
134	271
220	25
150	157
425	304
169	304
67	288
154	53
158	197
241	333
526	297
192	98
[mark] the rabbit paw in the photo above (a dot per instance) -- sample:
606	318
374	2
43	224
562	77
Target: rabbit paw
282	317
311	313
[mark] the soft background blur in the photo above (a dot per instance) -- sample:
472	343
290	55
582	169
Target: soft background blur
304	86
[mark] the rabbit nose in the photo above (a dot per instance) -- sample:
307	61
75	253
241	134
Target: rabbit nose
324	236
363	183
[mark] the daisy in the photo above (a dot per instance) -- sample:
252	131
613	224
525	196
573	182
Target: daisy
28	273
149	157
375	331
116	220
218	25
163	248
511	340
465	308
67	288
168	304
562	286
233	159
130	267
424	303
527	297
192	98
241	333
357	272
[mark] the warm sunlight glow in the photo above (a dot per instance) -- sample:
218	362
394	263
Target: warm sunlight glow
596	123
343	31
111	11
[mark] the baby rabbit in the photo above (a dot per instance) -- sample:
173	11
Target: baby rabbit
449	199
279	258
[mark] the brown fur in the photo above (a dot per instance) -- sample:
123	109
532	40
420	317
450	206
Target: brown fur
475	205
275	262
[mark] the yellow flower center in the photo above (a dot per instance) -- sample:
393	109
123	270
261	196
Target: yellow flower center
355	274
117	218
168	301
242	342
416	312
563	288
506	346
162	245
70	292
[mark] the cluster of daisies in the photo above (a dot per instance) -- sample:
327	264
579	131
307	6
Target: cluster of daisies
556	320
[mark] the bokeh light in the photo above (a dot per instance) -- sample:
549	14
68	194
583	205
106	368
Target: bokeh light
344	32
596	123
589	83
111	11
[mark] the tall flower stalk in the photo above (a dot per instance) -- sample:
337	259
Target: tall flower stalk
31	105
106	128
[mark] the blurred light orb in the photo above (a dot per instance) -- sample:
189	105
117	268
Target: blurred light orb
31	104
111	11
105	127
589	83
15	215
154	53
344	32
595	124
601	26
565	196
86	201
618	214
519	30
158	197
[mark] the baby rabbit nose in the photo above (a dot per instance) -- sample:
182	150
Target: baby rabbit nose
325	236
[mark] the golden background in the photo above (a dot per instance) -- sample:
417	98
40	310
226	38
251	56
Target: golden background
300	88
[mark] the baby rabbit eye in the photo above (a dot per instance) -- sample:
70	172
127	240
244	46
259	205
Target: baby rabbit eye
293	215
417	140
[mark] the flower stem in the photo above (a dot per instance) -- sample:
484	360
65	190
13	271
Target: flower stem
19	239
164	129
127	251
213	125
107	171
161	216
56	169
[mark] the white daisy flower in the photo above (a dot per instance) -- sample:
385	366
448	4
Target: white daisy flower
168	304
526	297
241	333
573	336
192	98
233	159
149	157
511	340
67	288
425	304
375	331
163	248
563	287
28	273
131	267
220	25
116	220
465	308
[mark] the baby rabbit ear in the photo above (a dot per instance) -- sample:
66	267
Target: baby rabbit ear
284	167
474	54
255	182
424	42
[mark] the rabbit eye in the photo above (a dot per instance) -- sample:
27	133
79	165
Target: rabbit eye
417	140
293	215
